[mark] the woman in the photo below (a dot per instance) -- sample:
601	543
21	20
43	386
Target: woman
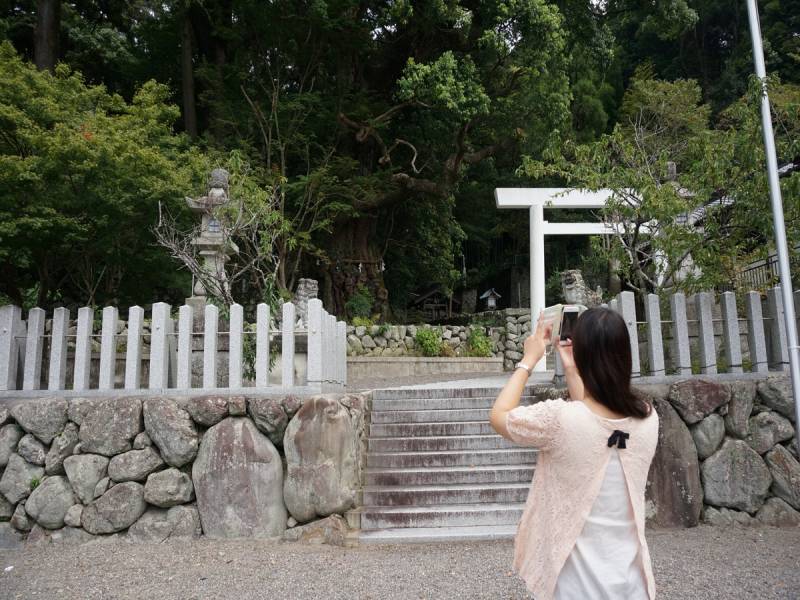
581	536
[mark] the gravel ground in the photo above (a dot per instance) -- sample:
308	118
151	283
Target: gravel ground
701	563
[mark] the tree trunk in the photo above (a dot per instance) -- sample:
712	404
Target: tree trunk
187	77
45	36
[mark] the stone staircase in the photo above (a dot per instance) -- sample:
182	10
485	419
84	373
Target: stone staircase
436	471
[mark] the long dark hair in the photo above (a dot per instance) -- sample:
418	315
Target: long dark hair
602	350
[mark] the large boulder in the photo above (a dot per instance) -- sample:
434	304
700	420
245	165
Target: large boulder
777	513
321	460
109	426
708	434
674	490
767	429
330	530
735	477
172	430
10	435
737	420
6	509
168	488
270	417
80	407
776	392
159	524
5	415
63	445
207	410
43	417
694	399
20	519
785	475
32	450
49	502
117	509
134	465
83	472
238	481
19	479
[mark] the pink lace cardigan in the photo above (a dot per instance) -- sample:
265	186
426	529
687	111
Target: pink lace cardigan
571	465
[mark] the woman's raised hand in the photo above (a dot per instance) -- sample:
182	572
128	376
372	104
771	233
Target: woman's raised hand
536	343
565	352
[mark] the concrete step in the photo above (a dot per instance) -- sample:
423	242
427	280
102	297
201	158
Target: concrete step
455	458
428	495
462	392
450	475
430	416
430	429
440	443
450	515
438	403
425	535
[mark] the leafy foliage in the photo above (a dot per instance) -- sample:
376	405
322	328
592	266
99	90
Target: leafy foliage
428	340
478	343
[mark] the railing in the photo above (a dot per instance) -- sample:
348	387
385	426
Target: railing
767	348
172	344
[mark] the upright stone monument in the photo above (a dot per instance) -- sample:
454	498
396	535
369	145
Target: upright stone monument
212	245
307	289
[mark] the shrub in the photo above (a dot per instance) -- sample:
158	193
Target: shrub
361	322
429	341
360	303
479	344
446	350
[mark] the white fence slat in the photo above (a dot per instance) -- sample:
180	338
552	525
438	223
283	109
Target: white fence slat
262	345
185	328
57	373
211	327
655	342
83	349
780	347
705	333
108	348
133	350
235	329
10	317
731	337
681	354
159	349
172	353
340	356
287	345
627	307
34	344
314	324
756	340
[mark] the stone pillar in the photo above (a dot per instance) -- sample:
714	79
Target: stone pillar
210	346
627	307
262	345
33	350
341	352
108	348
779	345
705	333
681	355
159	355
730	332
287	345
537	282
315	316
57	376
655	342
83	349
756	340
185	329
133	352
235	329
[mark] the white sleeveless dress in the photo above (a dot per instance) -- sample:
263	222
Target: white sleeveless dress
605	563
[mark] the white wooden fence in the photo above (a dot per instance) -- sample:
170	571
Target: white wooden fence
767	347
171	349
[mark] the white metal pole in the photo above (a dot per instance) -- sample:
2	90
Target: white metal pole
777	207
537	271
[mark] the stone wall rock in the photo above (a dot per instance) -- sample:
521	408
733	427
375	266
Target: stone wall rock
134	465
84	471
43	417
172	430
785	475
708	435
168	488
207	410
49	502
694	399
19	478
330	530
674	488
270	417
736	477
159	524
61	447
776	393
32	450
321	460
10	435
737	419
110	425
117	509
767	429
6	509
777	513
235	455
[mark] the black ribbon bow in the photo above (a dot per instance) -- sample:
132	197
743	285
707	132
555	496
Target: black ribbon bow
618	438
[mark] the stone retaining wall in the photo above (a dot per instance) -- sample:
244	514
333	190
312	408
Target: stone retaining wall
399	340
153	468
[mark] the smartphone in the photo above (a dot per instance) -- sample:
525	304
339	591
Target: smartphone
569	317
562	317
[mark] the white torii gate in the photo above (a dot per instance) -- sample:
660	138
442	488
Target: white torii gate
536	200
